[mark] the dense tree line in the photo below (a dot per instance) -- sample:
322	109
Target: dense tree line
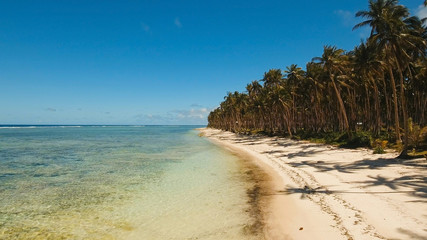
380	86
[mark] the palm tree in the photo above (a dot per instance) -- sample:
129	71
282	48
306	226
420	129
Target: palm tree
272	78
334	62
368	66
254	90
294	77
419	84
375	15
392	35
314	76
377	19
395	50
294	74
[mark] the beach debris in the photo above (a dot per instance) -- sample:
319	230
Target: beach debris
301	228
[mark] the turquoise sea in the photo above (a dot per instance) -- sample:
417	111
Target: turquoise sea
119	182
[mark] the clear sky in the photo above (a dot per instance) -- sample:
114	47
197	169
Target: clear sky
155	62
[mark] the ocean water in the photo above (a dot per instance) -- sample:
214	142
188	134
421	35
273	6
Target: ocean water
119	182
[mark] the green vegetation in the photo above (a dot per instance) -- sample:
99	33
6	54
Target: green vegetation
379	146
352	98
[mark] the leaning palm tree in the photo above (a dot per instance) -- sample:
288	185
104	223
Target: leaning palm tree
334	63
314	77
377	20
392	35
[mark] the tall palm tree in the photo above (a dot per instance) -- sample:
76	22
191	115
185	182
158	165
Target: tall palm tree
294	74
375	15
254	90
368	66
379	20
314	76
334	62
294	77
393	59
394	38
419	86
272	78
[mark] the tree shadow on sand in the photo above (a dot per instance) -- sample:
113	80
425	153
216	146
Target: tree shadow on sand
416	182
420	191
247	140
325	166
412	235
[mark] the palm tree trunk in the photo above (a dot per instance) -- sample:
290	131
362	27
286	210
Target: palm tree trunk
377	108
387	102
396	111
404	152
367	107
342	108
287	112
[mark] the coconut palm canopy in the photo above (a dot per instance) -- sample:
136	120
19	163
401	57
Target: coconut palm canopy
379	87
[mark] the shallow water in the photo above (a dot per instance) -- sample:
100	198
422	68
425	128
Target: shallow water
119	182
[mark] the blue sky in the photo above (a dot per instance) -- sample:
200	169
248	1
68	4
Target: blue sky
155	62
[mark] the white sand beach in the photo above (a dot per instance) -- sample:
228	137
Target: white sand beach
322	192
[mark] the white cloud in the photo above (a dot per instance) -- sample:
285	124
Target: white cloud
152	118
187	116
422	12
201	113
178	23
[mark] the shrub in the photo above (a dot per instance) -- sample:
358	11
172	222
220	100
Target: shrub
358	139
379	146
417	135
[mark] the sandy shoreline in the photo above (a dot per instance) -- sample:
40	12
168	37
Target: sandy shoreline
322	192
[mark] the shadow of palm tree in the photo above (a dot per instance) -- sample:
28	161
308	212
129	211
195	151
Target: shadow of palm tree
417	185
321	190
412	235
416	182
324	166
307	153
